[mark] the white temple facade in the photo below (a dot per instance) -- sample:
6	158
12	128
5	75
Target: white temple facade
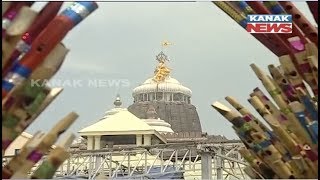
119	127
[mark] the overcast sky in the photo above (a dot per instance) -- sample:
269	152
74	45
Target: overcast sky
119	41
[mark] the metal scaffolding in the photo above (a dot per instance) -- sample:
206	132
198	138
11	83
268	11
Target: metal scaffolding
189	161
192	161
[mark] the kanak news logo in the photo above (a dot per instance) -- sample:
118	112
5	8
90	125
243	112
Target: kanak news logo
257	23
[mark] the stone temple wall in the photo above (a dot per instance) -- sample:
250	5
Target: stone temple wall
183	117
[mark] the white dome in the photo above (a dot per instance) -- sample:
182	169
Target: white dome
168	85
167	80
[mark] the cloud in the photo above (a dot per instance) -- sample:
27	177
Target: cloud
87	67
211	56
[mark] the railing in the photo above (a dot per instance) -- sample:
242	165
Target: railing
193	161
190	160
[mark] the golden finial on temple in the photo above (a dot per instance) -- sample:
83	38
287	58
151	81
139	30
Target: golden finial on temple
166	43
162	71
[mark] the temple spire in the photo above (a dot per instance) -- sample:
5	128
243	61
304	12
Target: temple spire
165	44
117	103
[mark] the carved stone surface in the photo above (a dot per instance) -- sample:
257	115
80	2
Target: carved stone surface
183	117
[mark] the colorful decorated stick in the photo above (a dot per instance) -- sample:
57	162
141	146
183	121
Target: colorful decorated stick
307	71
242	6
306	170
280	132
313	128
275	138
15	123
27	99
299	111
312	159
311	56
297	52
313	6
274	7
252	173
283	83
50	65
313	61
259	8
19	159
5	6
23	46
14	33
254	122
312	50
296	38
271	107
309	104
11	13
282	169
281	38
43	147
21	23
257	164
291	145
283	95
309	30
298	58
240	124
42	74
46	41
274	47
55	158
284	107
291	72
266	150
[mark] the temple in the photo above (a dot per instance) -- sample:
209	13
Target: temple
161	113
171	100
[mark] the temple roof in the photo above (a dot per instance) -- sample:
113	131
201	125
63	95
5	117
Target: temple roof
121	122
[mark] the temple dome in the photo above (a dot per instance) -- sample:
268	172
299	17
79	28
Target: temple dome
167	80
171	100
168	85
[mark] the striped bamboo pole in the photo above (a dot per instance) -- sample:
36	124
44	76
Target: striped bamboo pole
293	118
41	148
24	44
313	6
308	29
274	46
